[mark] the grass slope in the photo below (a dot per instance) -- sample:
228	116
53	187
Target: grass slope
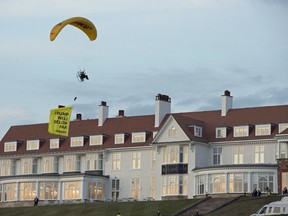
103	209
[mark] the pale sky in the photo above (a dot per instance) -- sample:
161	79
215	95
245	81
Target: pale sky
191	50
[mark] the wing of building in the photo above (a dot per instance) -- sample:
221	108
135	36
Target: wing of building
151	157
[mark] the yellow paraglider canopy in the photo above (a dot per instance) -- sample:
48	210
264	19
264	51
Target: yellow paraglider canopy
79	22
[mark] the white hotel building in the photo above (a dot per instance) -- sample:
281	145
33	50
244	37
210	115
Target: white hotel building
161	156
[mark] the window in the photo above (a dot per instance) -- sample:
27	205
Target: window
217	183
263	180
10	191
221	132
259	153
71	190
138	137
153	159
283	150
201	184
96	190
10	146
135	188
217	155
263	130
27	190
241	131
238	154
153	188
96	140
175	154
49	190
71	163
1	193
54	143
94	162
119	138
116	161
282	127
197	131
174	185
33	144
77	141
50	164
7	167
136	160
28	166
172	132
115	189
238	182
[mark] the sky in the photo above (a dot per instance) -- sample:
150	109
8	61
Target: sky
191	50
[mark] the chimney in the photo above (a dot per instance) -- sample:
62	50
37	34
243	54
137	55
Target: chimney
103	113
162	107
78	116
121	113
226	103
61	106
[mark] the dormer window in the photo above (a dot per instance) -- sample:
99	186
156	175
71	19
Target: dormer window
241	131
119	138
262	130
10	146
33	145
77	141
221	132
197	131
172	132
282	127
54	143
138	137
96	140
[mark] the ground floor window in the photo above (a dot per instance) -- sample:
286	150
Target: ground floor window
10	191
238	182
174	185
201	184
262	181
217	183
135	192
49	190
0	192
71	190
96	190
27	190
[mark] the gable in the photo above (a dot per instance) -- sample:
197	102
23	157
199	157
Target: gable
171	132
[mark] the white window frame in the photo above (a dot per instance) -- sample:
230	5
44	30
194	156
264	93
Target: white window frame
54	143
221	132
197	131
263	130
282	127
172	132
33	145
136	160
119	138
116	161
259	153
217	155
77	141
238	154
241	131
138	137
10	146
96	140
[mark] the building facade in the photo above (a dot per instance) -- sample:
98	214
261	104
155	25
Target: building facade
150	157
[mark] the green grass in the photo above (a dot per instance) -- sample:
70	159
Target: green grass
245	206
103	209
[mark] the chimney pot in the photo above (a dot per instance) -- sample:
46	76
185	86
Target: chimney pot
61	106
227	93
78	116
121	113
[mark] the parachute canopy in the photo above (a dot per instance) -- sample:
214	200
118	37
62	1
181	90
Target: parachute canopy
79	22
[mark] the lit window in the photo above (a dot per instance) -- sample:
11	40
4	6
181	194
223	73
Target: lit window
27	190
263	130
50	164
172	132
54	143
136	160
116	161
49	190
175	154
10	146
153	159
94	161
197	131
71	163
28	166
119	138
175	185
221	132
77	141
96	140
282	127
241	131
138	137
238	154
71	190
135	188
7	167
259	153
10	191
33	144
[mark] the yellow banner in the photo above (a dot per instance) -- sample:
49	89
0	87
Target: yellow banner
59	121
